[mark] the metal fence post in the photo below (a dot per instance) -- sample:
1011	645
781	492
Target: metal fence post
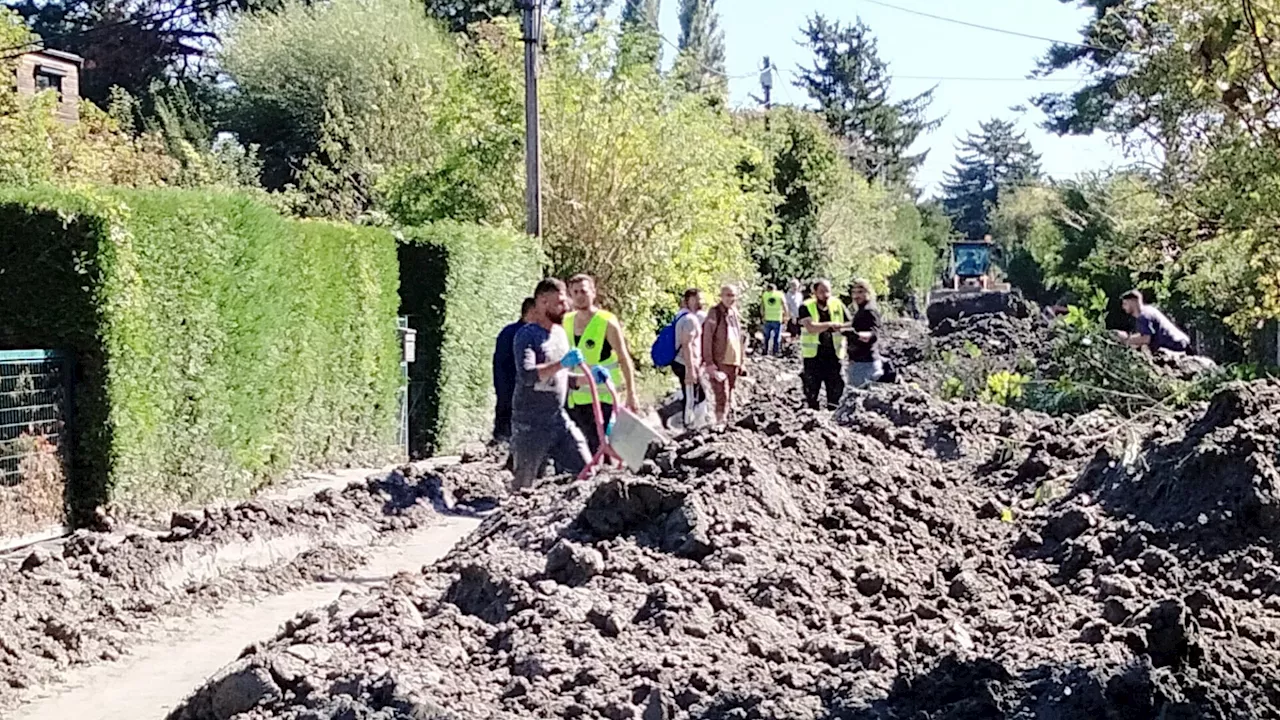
408	352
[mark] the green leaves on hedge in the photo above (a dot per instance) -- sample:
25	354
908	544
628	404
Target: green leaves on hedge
220	344
459	285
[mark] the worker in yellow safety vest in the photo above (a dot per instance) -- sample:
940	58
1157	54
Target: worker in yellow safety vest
598	334
773	305
822	318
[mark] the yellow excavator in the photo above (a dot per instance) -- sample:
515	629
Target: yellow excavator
969	288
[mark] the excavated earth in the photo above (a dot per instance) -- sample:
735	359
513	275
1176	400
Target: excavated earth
908	558
93	597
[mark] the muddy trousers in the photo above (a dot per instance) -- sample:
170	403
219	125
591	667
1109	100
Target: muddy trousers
819	372
533	446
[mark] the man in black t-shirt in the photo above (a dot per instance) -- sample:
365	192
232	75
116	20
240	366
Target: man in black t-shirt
865	365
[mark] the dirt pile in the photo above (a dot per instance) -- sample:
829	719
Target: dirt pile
90	598
924	559
970	345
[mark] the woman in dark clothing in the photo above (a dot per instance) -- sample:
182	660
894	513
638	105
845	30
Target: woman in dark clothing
865	365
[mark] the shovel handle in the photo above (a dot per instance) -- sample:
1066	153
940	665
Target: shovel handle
606	450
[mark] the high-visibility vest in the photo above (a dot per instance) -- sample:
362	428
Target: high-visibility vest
809	341
773	305
592	346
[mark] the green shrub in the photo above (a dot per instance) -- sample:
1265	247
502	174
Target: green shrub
218	344
459	285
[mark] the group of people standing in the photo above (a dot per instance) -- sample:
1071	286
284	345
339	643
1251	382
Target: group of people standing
711	351
544	407
838	344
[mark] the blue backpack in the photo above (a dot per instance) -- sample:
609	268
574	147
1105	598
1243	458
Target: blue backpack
663	352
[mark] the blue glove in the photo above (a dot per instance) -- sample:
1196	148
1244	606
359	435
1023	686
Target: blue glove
601	374
572	359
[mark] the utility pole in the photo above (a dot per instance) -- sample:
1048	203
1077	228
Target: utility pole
766	84
532	12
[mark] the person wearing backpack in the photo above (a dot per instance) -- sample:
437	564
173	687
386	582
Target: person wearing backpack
678	346
687	363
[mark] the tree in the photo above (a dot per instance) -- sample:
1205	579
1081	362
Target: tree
1199	80
989	161
128	44
1102	50
347	86
460	14
641	41
642	184
802	166
702	55
825	220
850	84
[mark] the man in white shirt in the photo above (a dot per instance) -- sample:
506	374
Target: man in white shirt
687	365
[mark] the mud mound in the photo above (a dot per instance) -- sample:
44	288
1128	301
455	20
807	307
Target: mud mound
966	346
909	561
944	307
1011	451
93	596
1214	482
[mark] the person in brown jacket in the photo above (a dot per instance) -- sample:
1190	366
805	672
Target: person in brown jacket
724	350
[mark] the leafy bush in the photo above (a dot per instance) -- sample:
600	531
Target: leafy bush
459	284
218	345
642	183
1089	369
1004	388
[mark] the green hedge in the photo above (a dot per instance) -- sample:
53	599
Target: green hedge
459	285
218	344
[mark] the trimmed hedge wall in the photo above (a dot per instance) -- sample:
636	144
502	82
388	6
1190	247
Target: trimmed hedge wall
459	285
219	345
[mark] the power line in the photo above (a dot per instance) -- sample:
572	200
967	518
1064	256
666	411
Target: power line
952	78
13	51
1015	33
959	78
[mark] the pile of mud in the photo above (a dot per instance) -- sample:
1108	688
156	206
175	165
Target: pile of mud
964	346
969	348
922	559
91	598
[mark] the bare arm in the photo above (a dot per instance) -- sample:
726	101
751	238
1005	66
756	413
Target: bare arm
613	333
685	339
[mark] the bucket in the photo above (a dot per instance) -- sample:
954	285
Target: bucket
631	437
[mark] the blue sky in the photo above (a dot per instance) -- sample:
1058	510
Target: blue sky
920	47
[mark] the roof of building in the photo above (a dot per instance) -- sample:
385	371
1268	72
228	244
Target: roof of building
59	54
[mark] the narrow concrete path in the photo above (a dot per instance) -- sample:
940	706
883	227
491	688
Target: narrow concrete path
148	683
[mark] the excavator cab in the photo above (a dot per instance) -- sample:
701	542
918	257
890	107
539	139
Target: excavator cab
969	288
970	262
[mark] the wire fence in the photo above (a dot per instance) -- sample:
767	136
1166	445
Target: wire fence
35	408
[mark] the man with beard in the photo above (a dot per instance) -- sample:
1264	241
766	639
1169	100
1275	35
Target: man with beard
540	426
822	319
